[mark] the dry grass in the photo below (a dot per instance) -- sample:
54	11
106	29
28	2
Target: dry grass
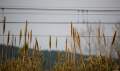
20	36
67	62
4	23
23	62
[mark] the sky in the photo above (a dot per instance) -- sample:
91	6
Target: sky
59	30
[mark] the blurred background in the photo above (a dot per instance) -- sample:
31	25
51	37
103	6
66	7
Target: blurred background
53	17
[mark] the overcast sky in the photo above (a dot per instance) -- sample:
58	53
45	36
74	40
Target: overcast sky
58	16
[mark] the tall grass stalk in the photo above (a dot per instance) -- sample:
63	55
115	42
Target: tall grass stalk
20	36
26	24
4	27
112	43
49	52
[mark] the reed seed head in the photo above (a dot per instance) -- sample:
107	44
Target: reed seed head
4	22
8	38
113	39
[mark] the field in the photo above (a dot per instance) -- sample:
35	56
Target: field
27	59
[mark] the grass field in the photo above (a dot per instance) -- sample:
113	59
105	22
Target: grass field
70	60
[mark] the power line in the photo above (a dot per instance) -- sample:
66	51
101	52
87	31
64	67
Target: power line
38	35
38	13
56	9
20	22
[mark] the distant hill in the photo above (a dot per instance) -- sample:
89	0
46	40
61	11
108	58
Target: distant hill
10	51
13	52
